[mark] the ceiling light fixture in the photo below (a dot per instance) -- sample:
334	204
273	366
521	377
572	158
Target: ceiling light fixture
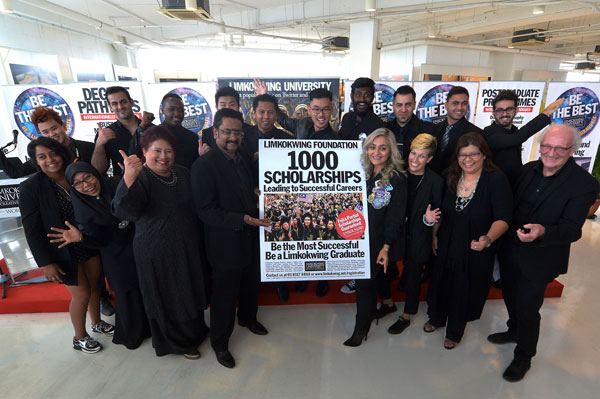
432	31
538	10
6	6
370	5
191	5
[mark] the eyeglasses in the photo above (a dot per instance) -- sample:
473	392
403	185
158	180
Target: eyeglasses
318	111
473	155
545	149
89	179
509	110
229	132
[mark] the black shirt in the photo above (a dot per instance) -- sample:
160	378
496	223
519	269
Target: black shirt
253	134
326	134
125	141
352	127
187	145
406	134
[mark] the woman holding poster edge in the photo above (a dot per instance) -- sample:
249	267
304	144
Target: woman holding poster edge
477	207
386	190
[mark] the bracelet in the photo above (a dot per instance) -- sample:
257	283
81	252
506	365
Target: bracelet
385	249
489	241
80	237
428	224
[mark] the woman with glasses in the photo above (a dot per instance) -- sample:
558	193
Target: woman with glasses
91	195
156	195
476	209
45	202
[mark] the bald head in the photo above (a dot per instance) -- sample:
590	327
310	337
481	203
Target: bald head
557	145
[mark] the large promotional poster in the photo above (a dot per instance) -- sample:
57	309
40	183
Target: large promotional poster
580	110
81	106
432	96
291	93
198	102
314	192
9	198
383	101
530	99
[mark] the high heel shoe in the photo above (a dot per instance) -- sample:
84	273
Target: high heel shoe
356	338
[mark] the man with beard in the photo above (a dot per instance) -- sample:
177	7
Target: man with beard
450	130
225	199
505	139
188	144
406	125
225	97
122	135
358	124
48	123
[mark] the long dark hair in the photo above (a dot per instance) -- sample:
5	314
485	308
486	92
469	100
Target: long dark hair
52	145
454	171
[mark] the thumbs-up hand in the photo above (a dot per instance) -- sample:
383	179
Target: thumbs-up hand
132	166
104	134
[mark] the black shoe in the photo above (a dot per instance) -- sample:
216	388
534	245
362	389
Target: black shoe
502	338
322	288
400	325
497	284
384	310
283	293
255	327
225	358
516	370
106	308
301	286
356	338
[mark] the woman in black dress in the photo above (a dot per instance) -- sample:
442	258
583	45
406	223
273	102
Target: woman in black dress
45	202
91	195
386	189
156	195
476	209
425	190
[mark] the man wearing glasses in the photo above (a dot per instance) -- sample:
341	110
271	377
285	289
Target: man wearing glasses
317	126
505	139
552	198
223	189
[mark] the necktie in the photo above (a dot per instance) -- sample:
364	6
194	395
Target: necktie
446	137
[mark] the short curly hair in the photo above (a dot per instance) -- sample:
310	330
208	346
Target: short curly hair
43	114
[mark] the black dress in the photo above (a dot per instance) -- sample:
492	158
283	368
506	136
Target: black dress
167	256
461	277
102	230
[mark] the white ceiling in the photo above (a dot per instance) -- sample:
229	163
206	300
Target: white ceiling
573	27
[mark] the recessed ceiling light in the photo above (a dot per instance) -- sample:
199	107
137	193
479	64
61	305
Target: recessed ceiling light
537	10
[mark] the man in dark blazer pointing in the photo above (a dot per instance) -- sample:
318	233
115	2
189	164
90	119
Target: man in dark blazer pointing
552	198
223	189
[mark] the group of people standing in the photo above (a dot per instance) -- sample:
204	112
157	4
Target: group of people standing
176	226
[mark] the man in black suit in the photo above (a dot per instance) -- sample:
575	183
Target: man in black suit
552	198
226	201
406	125
450	130
188	144
358	124
48	123
505	139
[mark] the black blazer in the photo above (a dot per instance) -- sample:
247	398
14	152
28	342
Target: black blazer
221	200
441	159
418	235
39	212
413	128
562	210
350	130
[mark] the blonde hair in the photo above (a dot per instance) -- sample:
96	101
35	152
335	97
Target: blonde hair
424	141
394	164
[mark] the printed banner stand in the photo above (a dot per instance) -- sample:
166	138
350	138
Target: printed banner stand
314	192
431	99
384	98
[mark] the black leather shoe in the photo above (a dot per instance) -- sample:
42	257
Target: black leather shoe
502	338
399	326
385	310
255	327
106	308
516	370
225	358
322	288
283	293
301	286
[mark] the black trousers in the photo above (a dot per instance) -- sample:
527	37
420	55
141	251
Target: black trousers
367	291
411	275
452	304
523	298
228	287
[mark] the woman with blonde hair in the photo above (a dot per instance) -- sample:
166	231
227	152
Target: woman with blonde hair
386	189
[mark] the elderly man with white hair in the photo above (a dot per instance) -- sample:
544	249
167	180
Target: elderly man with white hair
552	198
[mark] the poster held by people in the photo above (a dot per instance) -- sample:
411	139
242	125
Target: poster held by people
581	110
432	96
314	192
530	99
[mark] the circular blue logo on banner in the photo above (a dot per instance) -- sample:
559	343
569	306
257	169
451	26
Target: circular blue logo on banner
35	97
382	103
197	112
432	106
579	110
